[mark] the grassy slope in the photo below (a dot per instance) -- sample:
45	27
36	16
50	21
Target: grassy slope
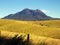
49	28
36	40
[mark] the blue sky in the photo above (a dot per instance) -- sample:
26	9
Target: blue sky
49	7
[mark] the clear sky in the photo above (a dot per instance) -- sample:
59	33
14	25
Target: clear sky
49	7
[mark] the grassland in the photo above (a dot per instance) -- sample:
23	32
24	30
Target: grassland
36	40
48	30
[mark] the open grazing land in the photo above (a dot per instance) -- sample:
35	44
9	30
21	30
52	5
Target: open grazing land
46	32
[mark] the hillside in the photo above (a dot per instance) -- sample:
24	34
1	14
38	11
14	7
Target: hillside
48	28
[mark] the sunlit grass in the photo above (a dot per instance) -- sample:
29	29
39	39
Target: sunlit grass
36	40
49	28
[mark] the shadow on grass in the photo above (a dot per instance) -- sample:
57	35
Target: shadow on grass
16	40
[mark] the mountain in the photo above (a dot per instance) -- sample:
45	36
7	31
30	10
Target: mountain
28	14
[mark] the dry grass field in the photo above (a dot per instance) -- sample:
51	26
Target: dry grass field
47	31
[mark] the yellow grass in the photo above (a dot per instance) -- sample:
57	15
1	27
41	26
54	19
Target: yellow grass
40	31
35	39
49	28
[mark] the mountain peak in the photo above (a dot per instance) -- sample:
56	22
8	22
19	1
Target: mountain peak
26	9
